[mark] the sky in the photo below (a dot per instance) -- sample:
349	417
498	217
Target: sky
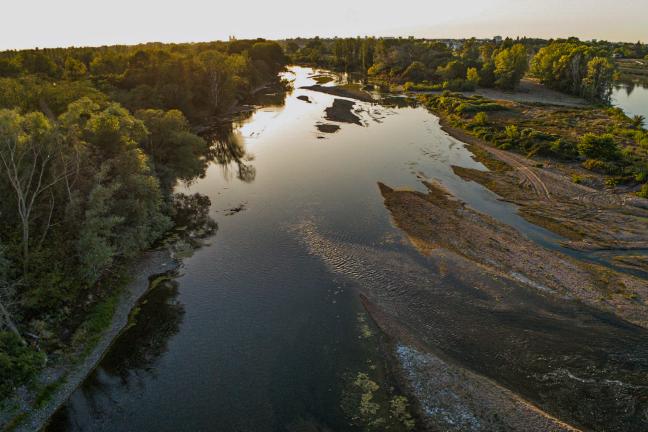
48	23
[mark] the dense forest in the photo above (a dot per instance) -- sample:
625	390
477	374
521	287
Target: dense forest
92	141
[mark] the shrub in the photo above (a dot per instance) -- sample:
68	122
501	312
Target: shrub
18	363
512	132
602	147
643	192
600	166
480	119
564	149
410	86
594	165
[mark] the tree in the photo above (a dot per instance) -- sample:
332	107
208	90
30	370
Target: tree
7	295
33	162
472	77
74	69
453	70
575	67
597	84
270	52
292	48
510	66
415	72
98	231
175	151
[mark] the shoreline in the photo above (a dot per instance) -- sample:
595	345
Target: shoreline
151	263
471	390
66	378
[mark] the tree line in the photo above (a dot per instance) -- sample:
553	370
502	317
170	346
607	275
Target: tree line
92	142
585	69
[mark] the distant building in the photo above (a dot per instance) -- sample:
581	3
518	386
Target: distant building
497	39
453	44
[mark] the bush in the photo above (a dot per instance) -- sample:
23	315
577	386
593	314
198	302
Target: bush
512	132
602	147
643	192
18	363
564	149
594	165
410	86
600	166
578	179
480	119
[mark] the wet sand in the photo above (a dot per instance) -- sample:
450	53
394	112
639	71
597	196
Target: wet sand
347	92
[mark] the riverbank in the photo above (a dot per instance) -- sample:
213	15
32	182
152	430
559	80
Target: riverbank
588	218
449	313
528	91
348	91
33	414
452	398
505	268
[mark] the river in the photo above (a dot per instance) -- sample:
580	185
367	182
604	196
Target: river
632	98
261	332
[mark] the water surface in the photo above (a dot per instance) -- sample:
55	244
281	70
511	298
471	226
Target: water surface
632	98
262	331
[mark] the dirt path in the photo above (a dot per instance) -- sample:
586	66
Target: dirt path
520	164
523	169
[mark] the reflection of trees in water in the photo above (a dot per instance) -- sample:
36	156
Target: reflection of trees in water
191	214
135	351
228	149
629	87
277	99
141	345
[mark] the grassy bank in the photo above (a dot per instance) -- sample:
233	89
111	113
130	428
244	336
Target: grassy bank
599	145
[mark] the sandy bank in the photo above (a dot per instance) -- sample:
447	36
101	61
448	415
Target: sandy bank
342	111
347	92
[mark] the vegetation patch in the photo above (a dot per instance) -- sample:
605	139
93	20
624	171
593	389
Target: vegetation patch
603	140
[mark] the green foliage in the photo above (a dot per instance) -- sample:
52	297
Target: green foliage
32	93
399	408
510	66
98	232
175	151
564	149
602	147
480	119
455	69
454	103
74	69
576	68
643	192
638	121
415	72
18	363
410	86
597	84
87	185
472	76
88	334
268	52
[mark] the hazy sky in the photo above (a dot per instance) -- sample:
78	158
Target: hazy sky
48	23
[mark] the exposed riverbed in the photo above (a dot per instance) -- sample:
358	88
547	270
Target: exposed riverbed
265	330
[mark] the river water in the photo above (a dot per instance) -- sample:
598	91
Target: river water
632	98
259	333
